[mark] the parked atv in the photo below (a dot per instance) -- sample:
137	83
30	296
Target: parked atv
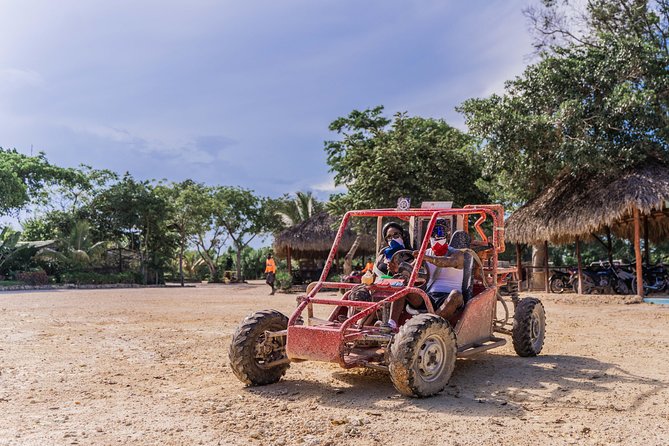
420	353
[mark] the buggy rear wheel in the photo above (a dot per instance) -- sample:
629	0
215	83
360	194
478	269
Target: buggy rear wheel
255	358
529	327
422	356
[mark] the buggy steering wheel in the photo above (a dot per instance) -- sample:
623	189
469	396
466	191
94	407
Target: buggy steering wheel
403	261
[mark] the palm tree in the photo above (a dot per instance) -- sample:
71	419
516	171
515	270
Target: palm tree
299	209
9	244
77	249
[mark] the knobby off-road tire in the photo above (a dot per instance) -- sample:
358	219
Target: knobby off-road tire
529	327
250	350
422	356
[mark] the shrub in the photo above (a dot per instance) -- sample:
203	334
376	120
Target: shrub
283	280
91	278
33	277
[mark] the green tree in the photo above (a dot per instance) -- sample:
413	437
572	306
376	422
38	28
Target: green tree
301	207
596	100
77	250
380	159
47	226
8	245
243	215
190	214
133	214
24	178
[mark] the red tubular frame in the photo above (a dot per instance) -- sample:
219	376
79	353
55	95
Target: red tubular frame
327	342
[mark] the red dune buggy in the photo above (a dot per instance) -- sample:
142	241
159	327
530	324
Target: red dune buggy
420	353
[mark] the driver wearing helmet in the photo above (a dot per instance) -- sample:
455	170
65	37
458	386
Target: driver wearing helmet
446	266
396	239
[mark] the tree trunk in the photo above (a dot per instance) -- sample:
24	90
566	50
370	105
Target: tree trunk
538	262
348	259
519	266
546	271
239	262
637	253
204	253
181	263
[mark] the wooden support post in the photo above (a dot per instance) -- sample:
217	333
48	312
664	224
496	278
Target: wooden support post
519	266
288	261
646	245
579	264
609	245
637	253
548	289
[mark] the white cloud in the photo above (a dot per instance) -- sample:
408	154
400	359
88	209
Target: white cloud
328	186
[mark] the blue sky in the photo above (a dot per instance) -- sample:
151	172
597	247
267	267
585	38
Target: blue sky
238	93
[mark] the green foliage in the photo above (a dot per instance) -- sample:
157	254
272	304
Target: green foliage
8	249
93	278
380	159
283	280
131	213
190	218
243	215
24	178
46	227
253	262
597	103
294	210
77	250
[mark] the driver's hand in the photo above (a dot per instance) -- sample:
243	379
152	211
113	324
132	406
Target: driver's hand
415	254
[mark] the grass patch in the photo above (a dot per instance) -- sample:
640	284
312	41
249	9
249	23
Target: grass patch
10	283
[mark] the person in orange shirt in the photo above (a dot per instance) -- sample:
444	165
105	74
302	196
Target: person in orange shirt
270	270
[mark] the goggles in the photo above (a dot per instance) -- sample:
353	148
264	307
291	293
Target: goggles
439	232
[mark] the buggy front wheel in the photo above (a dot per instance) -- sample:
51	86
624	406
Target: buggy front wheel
256	358
422	356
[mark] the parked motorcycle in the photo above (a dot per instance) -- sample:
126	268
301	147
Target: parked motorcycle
655	279
600	278
624	279
560	281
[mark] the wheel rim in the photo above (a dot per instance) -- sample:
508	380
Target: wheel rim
558	285
432	358
537	327
267	350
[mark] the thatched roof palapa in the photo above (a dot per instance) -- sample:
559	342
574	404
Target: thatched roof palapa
313	238
588	204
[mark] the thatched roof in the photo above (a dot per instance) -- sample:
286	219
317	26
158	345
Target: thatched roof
313	239
584	205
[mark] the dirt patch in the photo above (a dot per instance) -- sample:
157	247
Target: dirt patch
149	366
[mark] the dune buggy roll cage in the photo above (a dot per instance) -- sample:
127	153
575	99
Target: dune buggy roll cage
332	340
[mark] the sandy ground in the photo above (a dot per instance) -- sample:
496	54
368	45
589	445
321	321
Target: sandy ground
150	366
